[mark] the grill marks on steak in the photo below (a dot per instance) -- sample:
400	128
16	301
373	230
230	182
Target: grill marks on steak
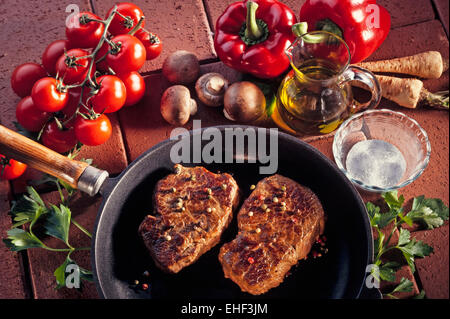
193	207
278	224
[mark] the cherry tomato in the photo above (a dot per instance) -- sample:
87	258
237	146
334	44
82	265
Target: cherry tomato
71	69
111	96
47	96
93	132
129	57
102	65
135	86
52	53
11	169
151	42
24	77
29	116
120	25
72	102
82	34
61	141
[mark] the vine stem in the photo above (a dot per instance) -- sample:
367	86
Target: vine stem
99	45
91	56
81	228
120	14
61	195
95	20
137	26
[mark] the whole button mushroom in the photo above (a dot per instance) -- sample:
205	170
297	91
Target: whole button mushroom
211	88
177	105
181	67
244	102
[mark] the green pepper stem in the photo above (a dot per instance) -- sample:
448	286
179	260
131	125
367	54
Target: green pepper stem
301	29
252	30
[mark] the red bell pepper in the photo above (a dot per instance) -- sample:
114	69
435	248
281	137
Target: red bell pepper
363	24
251	37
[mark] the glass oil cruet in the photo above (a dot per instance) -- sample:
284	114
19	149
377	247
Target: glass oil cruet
316	96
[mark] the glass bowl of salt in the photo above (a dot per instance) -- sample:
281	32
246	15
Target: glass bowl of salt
381	150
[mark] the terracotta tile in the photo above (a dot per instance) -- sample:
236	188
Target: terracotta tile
402	13
181	25
20	184
28	27
415	39
403	272
442	7
434	181
11	273
143	125
43	263
433	270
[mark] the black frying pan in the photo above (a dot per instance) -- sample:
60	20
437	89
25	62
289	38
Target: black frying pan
119	256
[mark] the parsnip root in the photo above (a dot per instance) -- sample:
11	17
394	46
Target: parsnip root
427	65
409	93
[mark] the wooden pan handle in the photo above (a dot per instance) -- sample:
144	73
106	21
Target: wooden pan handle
35	155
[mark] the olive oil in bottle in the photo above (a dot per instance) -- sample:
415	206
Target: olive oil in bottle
312	99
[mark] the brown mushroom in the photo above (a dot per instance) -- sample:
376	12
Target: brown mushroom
211	88
177	105
181	67
244	102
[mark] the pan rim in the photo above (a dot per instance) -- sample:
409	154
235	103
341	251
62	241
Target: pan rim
292	139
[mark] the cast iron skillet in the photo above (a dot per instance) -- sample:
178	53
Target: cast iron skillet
119	256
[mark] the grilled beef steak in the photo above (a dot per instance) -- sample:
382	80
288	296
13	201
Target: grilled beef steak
278	224
193	207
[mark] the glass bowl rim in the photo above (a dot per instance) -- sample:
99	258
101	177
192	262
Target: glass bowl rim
419	169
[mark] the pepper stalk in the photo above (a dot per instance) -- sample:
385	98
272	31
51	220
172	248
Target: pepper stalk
301	30
254	30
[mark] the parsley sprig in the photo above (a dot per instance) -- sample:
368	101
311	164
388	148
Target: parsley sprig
55	220
428	212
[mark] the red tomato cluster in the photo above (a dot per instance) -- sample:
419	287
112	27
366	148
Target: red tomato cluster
66	98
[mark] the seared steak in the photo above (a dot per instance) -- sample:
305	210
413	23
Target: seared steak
278	224
193	207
